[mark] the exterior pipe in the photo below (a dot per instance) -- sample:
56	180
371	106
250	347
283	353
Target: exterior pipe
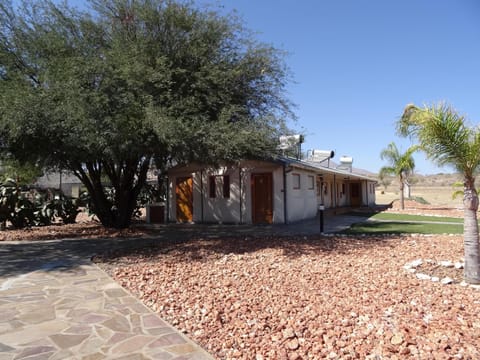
201	195
366	193
285	220
335	190
167	199
240	190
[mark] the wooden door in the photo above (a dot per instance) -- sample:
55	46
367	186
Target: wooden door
355	199
262	198
184	199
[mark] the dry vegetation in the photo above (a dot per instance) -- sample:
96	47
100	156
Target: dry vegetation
436	189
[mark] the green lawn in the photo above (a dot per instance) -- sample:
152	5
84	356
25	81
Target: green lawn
392	227
389	223
407	217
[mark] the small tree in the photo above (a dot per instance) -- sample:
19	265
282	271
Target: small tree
384	180
446	139
401	166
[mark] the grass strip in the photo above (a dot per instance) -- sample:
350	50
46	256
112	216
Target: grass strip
409	217
392	227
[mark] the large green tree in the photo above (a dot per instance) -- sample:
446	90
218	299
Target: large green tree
447	140
106	93
400	165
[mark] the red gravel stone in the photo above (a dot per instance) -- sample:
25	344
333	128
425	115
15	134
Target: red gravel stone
298	298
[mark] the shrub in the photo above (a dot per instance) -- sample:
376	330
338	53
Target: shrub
66	208
420	200
32	207
148	194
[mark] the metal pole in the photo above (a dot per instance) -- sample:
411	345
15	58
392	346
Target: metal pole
321	208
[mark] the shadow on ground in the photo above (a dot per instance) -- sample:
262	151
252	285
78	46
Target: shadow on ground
190	240
206	249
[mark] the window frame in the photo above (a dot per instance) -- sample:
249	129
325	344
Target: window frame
296	181
212	186
310	182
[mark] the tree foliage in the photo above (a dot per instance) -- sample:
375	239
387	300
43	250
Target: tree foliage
446	138
109	91
23	173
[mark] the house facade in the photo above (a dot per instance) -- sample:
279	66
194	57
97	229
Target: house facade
283	190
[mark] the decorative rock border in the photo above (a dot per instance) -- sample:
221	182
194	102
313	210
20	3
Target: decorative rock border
412	267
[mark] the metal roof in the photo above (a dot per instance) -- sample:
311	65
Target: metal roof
318	168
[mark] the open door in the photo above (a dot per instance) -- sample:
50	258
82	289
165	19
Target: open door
262	198
184	199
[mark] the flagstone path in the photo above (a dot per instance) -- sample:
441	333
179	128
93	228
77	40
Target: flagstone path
67	308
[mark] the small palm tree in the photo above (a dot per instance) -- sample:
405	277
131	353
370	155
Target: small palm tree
447	140
401	165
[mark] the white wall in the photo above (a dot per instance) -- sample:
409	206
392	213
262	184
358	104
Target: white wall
236	209
301	203
220	209
302	199
368	191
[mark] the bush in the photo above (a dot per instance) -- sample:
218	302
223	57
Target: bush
420	200
148	194
32	207
67	209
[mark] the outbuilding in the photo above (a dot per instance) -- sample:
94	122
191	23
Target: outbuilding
281	190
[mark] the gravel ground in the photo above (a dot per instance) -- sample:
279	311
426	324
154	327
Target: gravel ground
302	298
309	298
84	228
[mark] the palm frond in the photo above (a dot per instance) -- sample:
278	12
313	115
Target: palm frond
443	136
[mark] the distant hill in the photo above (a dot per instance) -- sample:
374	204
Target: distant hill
441	179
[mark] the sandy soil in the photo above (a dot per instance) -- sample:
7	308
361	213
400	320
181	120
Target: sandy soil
434	195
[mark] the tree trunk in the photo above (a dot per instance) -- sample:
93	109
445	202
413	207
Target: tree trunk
117	212
470	233
402	198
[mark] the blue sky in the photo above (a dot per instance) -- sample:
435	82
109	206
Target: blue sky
357	63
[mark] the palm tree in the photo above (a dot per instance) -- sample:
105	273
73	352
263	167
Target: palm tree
401	165
446	139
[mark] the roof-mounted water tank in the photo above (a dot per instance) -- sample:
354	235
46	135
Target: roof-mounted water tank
346	163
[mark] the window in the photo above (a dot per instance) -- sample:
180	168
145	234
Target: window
296	181
343	188
319	185
226	186
311	182
212	186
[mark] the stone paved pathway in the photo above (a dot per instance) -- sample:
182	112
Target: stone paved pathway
67	308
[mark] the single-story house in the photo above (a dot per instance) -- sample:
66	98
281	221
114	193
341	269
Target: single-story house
64	181
281	190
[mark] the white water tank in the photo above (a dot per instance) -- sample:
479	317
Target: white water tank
316	155
345	163
346	160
